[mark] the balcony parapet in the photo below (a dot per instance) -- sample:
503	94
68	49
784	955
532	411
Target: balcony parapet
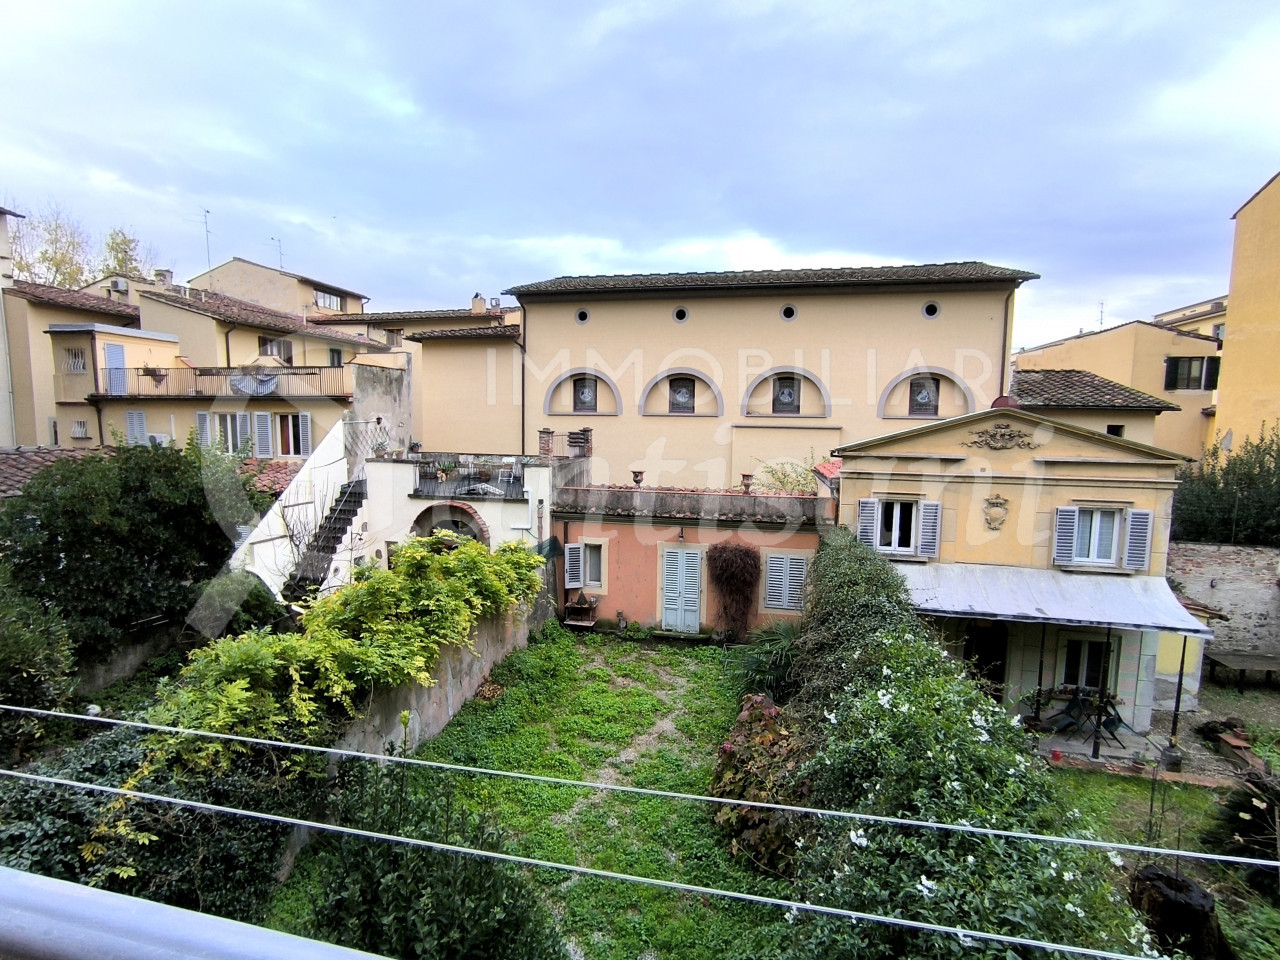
216	382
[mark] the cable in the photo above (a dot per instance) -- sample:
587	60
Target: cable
644	791
588	871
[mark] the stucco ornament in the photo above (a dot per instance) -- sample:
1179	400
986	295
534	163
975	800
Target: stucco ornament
996	511
1002	436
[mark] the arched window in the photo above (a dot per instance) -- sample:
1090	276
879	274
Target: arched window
680	395
584	394
786	394
923	400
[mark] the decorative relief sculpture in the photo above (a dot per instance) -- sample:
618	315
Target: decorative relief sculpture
996	511
1002	436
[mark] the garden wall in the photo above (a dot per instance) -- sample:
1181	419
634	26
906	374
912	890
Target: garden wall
1241	581
125	661
459	673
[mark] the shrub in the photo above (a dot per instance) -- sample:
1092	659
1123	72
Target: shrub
113	539
235	602
759	762
734	570
402	901
1248	825
764	664
1232	498
36	665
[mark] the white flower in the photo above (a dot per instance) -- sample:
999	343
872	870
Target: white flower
1072	908
829	716
983	736
1068	876
969	859
926	887
886	672
790	915
885	698
1115	858
966	941
954	785
799	843
978	719
858	838
1015	721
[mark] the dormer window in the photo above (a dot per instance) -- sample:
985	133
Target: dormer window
680	398
786	394
584	395
328	301
924	397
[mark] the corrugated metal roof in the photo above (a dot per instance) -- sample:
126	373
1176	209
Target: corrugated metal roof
992	592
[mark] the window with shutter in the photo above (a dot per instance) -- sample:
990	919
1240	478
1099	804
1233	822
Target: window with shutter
572	565
691	592
1212	365
672	565
202	428
135	424
1064	535
867	521
262	435
304	434
1137	546
775	587
930	528
797	570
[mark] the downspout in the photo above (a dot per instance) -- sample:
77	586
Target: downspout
1006	348
8	369
227	340
524	338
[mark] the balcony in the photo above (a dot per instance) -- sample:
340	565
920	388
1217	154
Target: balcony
138	383
453	476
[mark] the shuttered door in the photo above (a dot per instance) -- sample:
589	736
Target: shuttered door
681	590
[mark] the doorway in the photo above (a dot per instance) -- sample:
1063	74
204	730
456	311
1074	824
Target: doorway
986	648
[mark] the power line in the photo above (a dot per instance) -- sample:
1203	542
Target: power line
854	915
645	791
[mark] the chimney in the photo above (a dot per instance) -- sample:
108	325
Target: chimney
478	304
6	251
164	278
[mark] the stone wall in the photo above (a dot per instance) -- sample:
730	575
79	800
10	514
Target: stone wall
459	673
1241	581
125	661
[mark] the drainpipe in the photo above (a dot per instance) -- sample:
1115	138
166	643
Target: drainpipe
8	369
227	340
524	338
1005	346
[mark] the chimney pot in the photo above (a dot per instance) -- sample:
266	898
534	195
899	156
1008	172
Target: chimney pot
478	303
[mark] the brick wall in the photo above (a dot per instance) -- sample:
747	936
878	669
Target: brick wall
1240	581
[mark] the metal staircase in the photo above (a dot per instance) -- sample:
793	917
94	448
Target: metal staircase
313	567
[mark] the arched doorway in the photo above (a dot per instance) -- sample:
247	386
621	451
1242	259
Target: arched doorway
457	517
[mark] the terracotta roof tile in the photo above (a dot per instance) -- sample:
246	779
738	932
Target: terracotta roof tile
971	271
270	476
231	310
391	316
506	330
829	469
1079	390
72	299
20	464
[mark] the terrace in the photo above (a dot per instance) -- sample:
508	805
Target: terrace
177	382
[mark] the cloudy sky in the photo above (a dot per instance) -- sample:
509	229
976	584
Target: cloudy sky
420	154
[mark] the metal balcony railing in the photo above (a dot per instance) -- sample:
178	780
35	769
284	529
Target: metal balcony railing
470	476
248	382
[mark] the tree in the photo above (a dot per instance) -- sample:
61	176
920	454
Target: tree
113	539
123	254
52	247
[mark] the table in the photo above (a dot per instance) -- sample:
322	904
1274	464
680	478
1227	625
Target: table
1268	663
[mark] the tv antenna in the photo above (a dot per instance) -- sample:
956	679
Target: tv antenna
208	257
279	249
1101	304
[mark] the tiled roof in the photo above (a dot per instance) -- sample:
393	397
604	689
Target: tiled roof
1079	390
391	316
1174	331
20	464
72	299
507	330
231	310
971	271
270	476
690	504
830	469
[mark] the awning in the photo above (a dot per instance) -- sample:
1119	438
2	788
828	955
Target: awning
991	592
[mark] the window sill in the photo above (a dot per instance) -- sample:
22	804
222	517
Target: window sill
1093	568
903	557
578	413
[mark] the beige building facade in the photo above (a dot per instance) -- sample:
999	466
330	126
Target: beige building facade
278	289
1038	545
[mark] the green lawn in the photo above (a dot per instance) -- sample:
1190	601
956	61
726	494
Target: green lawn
649	714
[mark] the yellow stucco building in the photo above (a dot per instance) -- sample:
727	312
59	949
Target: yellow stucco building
1038	545
1250	394
280	290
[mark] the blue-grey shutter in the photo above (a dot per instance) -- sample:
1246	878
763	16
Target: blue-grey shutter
243	430
262	436
775	583
672	566
1137	546
930	528
691	591
304	434
867	521
572	565
117	376
1064	535
202	428
797	570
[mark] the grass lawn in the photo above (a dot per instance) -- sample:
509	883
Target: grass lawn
648	714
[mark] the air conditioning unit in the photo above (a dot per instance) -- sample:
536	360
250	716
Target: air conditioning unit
119	285
158	439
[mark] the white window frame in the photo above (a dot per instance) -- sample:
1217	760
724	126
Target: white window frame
894	508
1092	555
578	564
229	427
926	526
784	581
328	300
1131	550
1085	639
303	434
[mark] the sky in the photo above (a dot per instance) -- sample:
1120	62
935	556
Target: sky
421	152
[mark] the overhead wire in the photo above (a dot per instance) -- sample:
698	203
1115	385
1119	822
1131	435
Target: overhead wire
646	791
794	905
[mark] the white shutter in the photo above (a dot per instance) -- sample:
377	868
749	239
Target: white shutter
135	426
867	521
304	434
690	592
797	570
572	565
242	429
775	584
1137	546
202	428
930	528
1064	535
672	561
262	436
